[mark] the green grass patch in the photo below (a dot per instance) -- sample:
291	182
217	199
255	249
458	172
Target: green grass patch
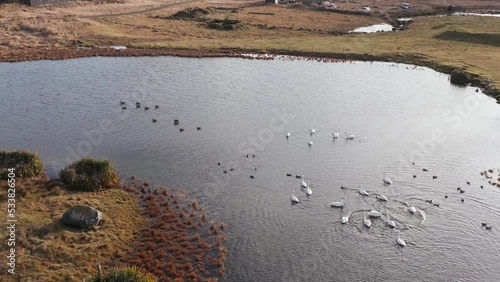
89	175
125	274
492	39
26	164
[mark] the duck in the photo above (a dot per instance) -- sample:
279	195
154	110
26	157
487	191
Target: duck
488	227
400	241
122	102
462	200
198	128
137	105
362	192
251	176
446	196
345	219
298	176
154	120
468	182
434	177
176	121
310	143
390	222
337	204
414	176
288	174
462	191
181	129
483	224
366	221
425	169
146	108
124	108
436	205
294	198
349	136
156	106
387	180
374	213
335	135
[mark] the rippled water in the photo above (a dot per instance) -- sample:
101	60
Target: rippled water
399	114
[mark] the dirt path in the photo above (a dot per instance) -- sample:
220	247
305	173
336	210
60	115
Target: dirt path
141	11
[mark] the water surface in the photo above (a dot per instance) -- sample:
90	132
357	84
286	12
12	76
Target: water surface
399	114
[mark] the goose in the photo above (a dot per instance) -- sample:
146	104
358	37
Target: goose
335	135
287	134
412	209
434	177
156	106
312	131
414	176
366	221
488	227
251	176
349	136
154	120
424	169
400	241
308	191
387	180
382	198
362	192
288	174
294	198
181	129
390	222
337	204
303	184
468	182
446	196
462	200
122	102
137	105
483	224
310	143
124	108
198	128
436	205
345	219
176	121
374	213
146	108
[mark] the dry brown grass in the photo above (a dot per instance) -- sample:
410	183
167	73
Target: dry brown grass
47	250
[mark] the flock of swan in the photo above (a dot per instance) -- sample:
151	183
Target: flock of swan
305	187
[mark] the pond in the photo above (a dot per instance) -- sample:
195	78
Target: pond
400	115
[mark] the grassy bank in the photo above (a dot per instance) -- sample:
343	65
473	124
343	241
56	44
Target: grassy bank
145	233
442	43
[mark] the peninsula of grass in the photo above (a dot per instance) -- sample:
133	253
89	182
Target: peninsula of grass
145	235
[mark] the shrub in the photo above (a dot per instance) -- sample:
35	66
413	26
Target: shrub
125	274
89	175
459	77
27	164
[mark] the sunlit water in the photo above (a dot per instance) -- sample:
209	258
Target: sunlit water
374	28
399	114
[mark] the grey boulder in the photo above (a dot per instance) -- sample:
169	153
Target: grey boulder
82	216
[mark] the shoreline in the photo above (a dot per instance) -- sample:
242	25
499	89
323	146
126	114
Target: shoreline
33	54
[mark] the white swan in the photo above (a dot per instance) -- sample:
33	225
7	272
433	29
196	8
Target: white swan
310	143
345	219
412	209
337	204
374	213
287	134
308	191
303	184
382	198
363	192
349	136
294	198
366	221
390	222
387	180
335	135
400	241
